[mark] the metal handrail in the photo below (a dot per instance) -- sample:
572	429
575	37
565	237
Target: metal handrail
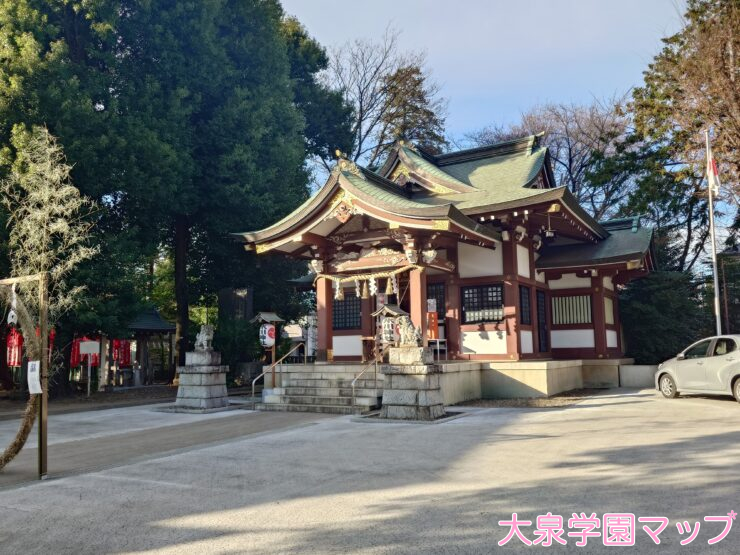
272	369
375	374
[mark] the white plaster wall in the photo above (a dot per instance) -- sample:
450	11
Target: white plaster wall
572	339
474	261
522	261
609	310
484	342
569	281
608	283
347	345
540	276
611	339
525	336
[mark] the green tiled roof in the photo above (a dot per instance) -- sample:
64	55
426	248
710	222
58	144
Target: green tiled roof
495	177
389	193
423	165
623	243
497	180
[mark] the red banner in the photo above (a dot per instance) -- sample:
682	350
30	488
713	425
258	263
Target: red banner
14	347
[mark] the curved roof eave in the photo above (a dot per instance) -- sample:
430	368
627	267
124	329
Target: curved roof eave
310	207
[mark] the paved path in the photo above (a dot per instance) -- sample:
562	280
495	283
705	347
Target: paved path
339	486
94	440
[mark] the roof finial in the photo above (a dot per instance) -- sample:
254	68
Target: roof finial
345	164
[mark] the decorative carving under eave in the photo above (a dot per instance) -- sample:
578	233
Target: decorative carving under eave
343	212
368	262
400	170
412	255
316	266
338	239
342	207
428	256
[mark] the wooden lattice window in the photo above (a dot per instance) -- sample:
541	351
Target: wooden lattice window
346	314
436	291
525	306
574	309
482	303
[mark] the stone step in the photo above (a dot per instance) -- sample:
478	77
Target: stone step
326	368
331	391
326	409
320	382
315	400
326	375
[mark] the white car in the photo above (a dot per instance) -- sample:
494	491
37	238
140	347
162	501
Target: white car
709	366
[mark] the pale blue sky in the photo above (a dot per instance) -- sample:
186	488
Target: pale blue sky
496	58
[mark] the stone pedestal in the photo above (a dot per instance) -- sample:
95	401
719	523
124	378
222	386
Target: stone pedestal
411	386
202	385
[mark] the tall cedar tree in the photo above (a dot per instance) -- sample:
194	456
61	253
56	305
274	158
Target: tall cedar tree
57	62
216	135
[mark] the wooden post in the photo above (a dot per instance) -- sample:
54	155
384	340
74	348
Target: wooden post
599	316
418	302
44	403
324	306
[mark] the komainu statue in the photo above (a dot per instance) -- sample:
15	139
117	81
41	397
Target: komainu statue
204	339
409	336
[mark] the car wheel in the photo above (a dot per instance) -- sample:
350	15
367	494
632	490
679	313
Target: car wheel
668	387
736	390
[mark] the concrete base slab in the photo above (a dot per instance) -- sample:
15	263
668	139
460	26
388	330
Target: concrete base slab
195	410
374	418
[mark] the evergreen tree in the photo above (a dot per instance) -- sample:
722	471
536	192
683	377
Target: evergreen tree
216	137
662	314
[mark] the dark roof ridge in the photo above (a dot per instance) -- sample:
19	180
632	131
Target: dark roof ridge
523	144
627	222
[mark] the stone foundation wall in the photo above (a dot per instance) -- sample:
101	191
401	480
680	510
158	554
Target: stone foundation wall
411	390
460	382
202	382
642	376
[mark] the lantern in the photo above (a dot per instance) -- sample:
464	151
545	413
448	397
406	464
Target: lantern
14	347
267	335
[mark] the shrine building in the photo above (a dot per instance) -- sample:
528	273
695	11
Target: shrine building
515	268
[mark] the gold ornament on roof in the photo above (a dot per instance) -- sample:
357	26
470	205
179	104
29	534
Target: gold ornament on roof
344	164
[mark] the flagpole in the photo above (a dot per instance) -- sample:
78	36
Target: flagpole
717	317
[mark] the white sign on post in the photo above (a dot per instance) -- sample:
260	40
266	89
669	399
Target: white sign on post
34	377
89	347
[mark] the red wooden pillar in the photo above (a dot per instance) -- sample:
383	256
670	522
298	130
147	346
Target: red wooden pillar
324	300
452	320
418	299
511	298
599	315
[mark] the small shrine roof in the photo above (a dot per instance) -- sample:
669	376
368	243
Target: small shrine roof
627	240
269	317
151	321
390	310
